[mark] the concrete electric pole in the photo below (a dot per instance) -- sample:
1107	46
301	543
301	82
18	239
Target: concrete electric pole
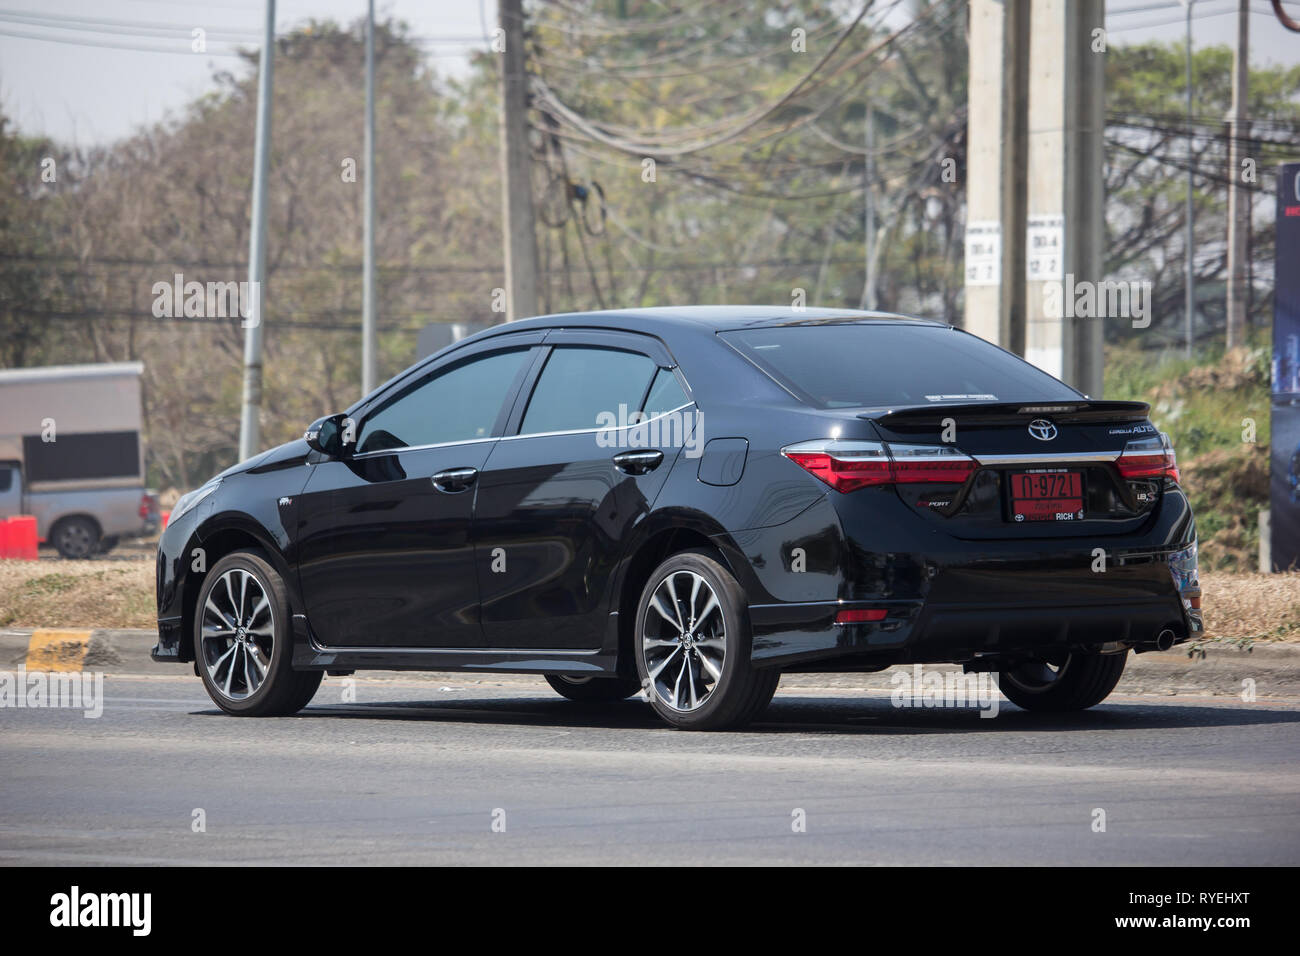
516	185
1066	191
869	208
249	423
1189	293
995	171
1238	197
369	354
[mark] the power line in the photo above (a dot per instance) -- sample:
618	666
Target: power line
668	146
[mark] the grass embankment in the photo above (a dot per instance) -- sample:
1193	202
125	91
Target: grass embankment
1212	407
55	593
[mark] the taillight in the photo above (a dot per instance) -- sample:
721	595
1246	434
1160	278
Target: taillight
849	465
1149	458
844	465
147	504
930	463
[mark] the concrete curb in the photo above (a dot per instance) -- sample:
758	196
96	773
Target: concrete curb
1224	669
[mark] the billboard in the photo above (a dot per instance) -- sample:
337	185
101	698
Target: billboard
1284	502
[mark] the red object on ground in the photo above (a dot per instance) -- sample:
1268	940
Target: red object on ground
4	539
165	515
20	535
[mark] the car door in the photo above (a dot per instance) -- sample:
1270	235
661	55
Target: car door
561	492
385	557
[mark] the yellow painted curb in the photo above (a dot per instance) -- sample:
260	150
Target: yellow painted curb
57	650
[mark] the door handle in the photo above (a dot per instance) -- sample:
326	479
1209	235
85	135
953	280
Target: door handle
453	480
638	462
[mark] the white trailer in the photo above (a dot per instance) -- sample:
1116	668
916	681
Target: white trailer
71	454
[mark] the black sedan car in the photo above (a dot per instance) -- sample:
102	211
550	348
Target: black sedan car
686	503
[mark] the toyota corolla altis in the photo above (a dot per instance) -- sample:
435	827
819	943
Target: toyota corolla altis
686	503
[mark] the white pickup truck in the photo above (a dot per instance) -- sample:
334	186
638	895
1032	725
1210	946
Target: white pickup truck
70	454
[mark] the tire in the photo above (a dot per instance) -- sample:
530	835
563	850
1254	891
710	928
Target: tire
233	660
1079	681
594	689
76	538
715	686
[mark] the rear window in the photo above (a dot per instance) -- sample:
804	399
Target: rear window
578	384
665	394
876	364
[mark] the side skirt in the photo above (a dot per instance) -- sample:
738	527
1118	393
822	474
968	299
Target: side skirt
308	655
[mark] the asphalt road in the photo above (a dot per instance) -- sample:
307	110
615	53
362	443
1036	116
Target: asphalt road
413	771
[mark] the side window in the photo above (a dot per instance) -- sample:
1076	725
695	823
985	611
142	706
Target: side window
665	394
456	404
6	477
580	382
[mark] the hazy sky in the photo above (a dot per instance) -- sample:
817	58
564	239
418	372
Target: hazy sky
112	65
104	67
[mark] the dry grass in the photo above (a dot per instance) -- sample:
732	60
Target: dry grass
52	593
1251	606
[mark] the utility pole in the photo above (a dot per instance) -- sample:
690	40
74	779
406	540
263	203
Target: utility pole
249	424
1065	191
1239	203
996	163
1190	282
869	209
369	355
516	185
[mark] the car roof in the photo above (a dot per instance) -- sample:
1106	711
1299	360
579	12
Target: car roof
718	318
663	321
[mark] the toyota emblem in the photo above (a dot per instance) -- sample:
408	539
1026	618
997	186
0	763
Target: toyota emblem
1042	429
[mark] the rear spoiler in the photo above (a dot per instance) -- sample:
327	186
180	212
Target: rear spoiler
1002	413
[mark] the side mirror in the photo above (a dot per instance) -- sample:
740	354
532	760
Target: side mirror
326	435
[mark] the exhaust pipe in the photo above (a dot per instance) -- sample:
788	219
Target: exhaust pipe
1163	641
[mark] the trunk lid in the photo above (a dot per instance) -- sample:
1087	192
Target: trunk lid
1043	470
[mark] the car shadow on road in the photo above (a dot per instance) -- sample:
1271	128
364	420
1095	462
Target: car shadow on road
849	714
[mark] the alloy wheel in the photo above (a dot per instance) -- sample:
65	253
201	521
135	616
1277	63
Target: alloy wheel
238	634
684	640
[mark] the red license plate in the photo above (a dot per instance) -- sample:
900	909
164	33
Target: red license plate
1046	495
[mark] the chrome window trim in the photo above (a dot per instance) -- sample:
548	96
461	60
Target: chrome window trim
479	441
585	431
406	448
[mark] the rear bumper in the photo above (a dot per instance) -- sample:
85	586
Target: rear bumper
951	599
991	609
